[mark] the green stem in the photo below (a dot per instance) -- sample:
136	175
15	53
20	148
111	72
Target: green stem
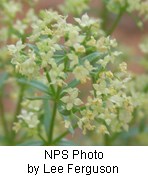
18	109
104	16
42	138
51	125
50	135
93	82
20	99
49	80
117	20
4	123
63	135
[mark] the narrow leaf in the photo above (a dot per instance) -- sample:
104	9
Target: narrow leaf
73	83
36	84
92	57
3	78
39	98
65	142
47	116
34	48
31	143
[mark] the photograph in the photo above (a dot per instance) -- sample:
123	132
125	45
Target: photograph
73	72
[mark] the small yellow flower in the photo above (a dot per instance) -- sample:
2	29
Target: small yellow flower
74	37
67	124
123	67
13	49
101	88
30	118
91	42
16	127
86	21
103	130
79	48
81	73
73	59
71	99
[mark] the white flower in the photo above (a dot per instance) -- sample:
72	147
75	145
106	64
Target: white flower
30	118
81	73
74	60
101	88
67	124
123	67
79	48
74	37
75	7
103	130
71	99
85	21
13	49
91	42
16	127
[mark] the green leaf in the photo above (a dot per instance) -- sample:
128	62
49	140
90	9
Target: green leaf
64	112
59	58
132	132
39	98
73	83
35	84
31	143
47	116
92	57
2	138
70	129
34	48
3	78
65	142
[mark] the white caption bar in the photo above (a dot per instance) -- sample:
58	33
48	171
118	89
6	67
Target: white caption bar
70	165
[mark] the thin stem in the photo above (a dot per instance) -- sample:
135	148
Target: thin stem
49	80
41	137
4	123
51	125
117	20
50	134
104	16
18	109
63	135
93	82
18	106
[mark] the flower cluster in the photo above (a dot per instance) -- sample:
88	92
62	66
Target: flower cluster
140	6
71	54
138	88
29	116
12	28
77	7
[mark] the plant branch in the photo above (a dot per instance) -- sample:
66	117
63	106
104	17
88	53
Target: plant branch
63	135
18	106
50	134
4	123
49	80
51	126
18	109
104	16
117	20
